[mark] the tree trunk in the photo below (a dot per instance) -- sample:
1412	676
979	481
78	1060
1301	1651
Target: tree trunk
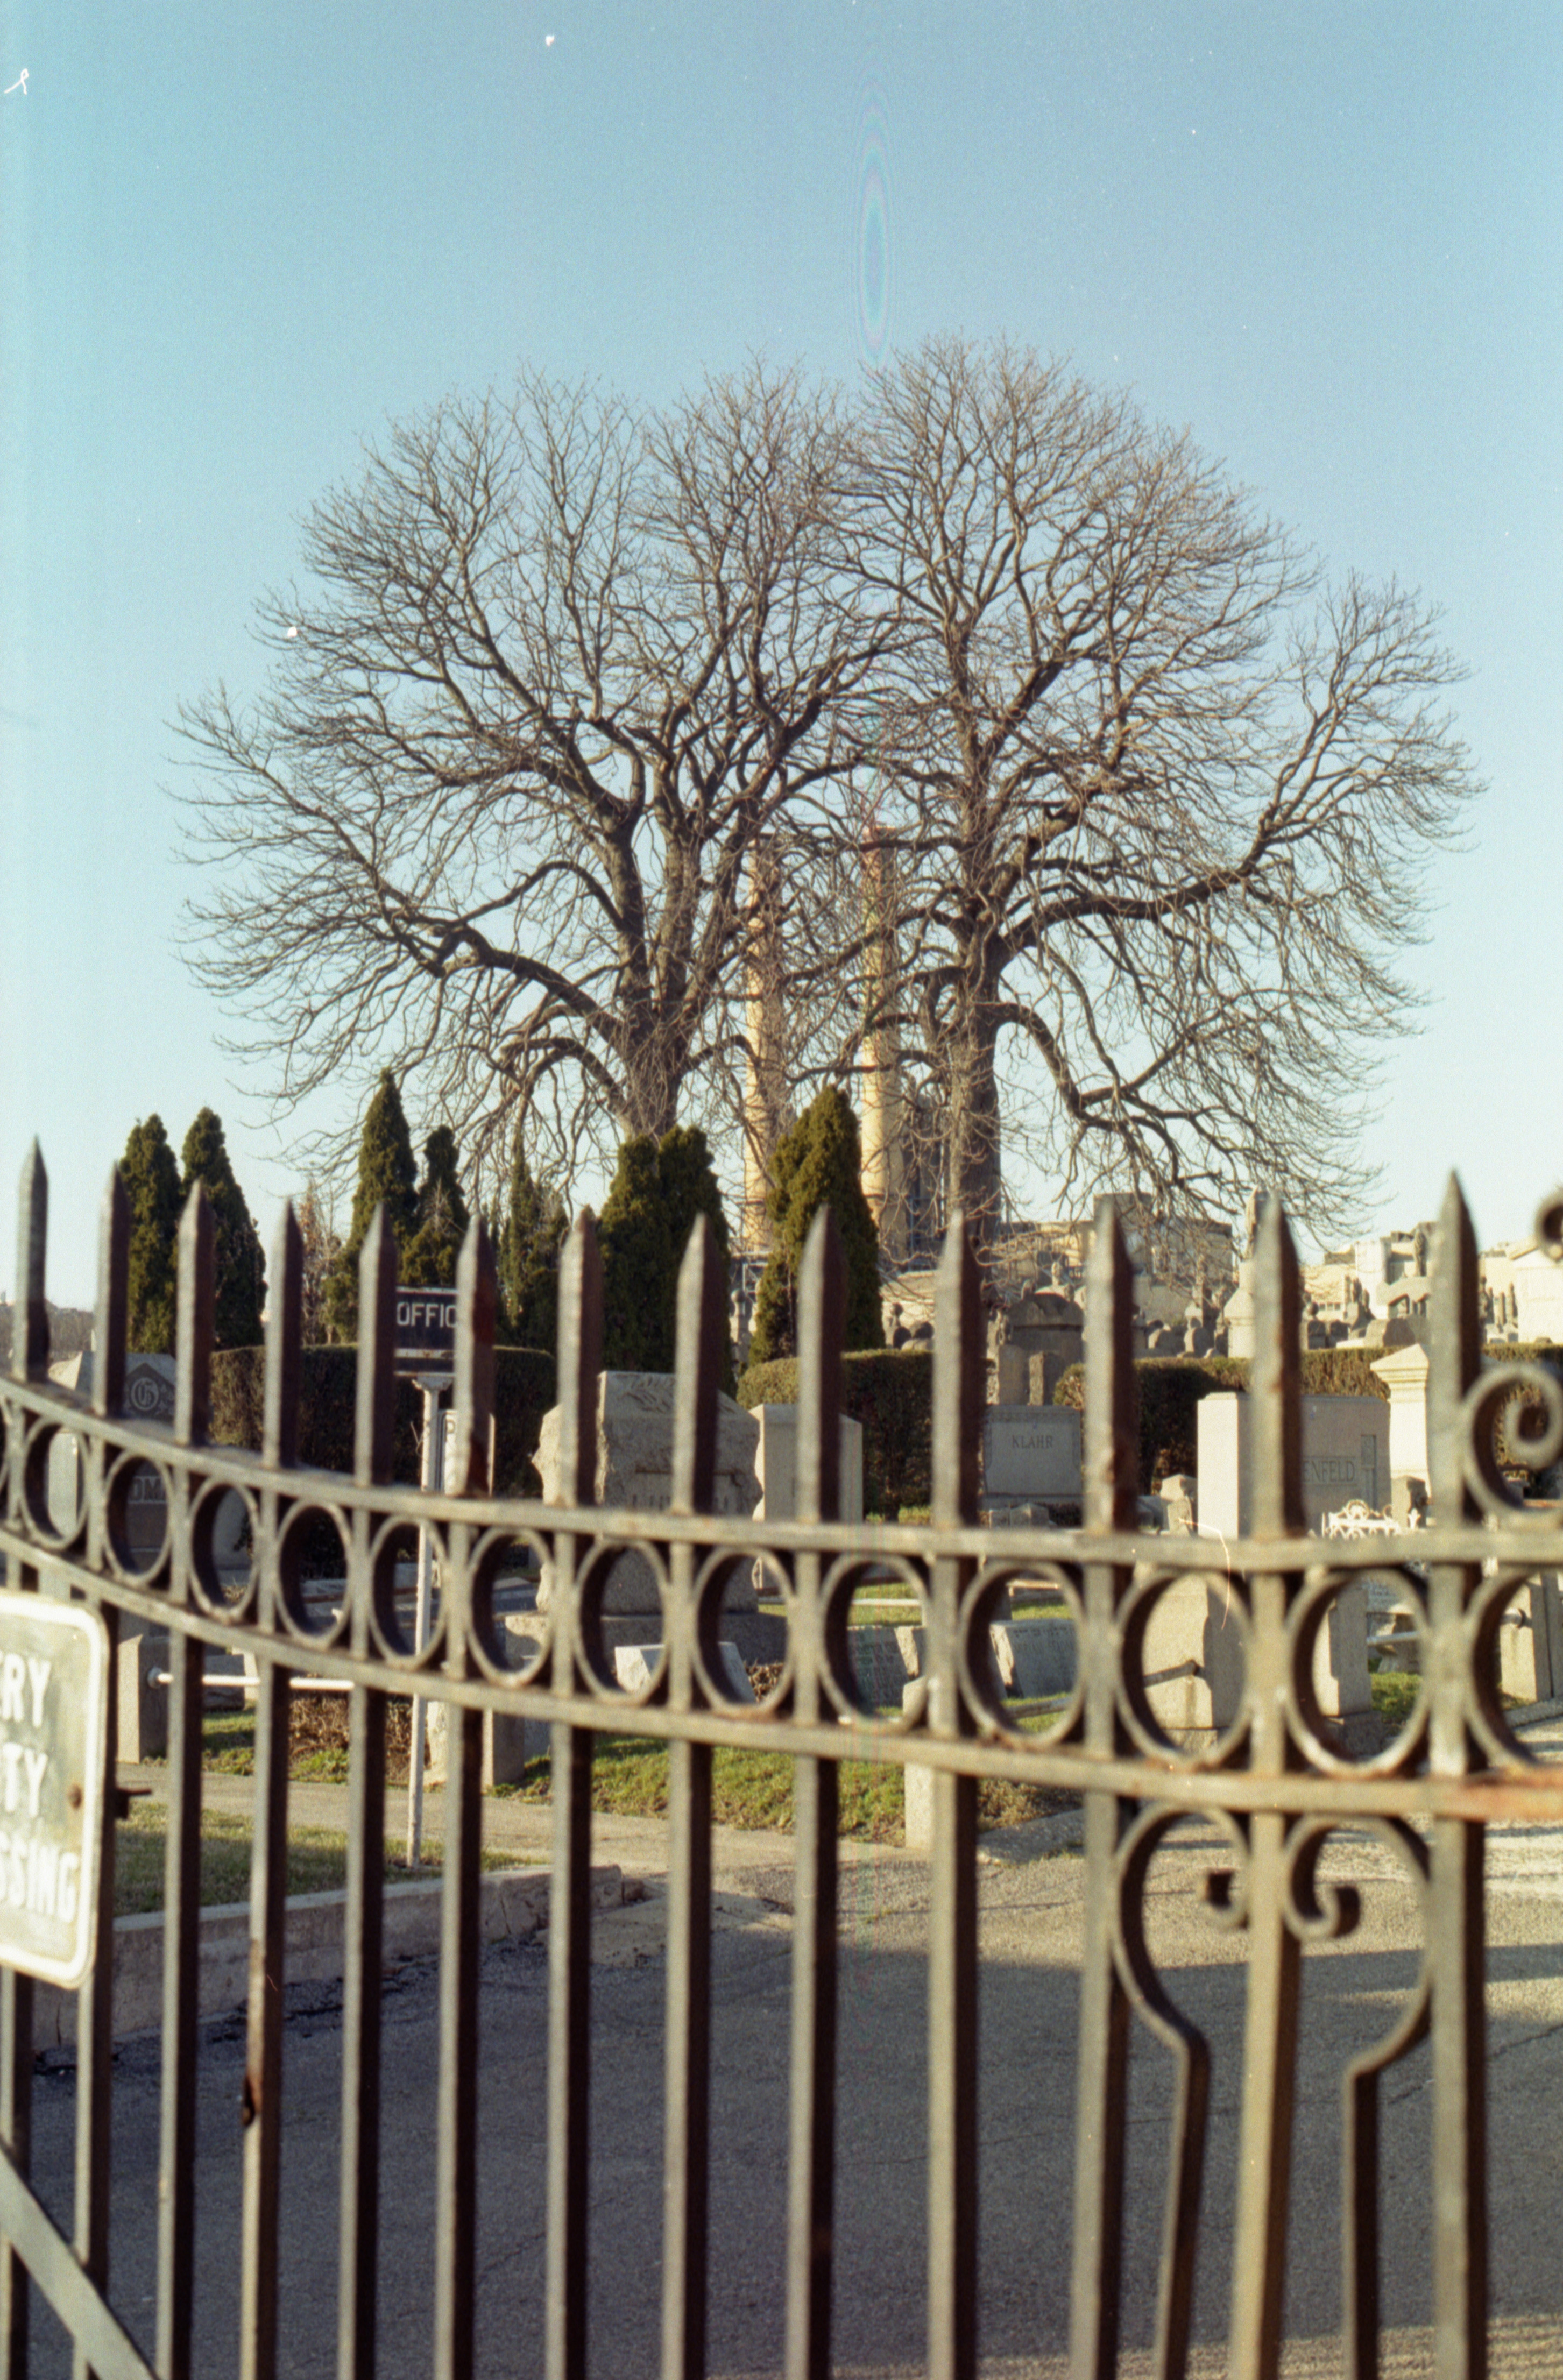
973	1151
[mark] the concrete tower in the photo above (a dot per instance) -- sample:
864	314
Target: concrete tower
766	1111
884	1149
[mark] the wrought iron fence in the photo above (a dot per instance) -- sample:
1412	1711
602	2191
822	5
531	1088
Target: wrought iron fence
1277	1781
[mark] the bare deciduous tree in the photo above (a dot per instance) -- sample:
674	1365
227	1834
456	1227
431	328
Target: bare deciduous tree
1161	803
559	670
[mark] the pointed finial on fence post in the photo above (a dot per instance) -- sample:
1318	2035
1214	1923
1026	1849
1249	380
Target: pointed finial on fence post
109	1335
1276	1381
821	1304
959	1362
702	1329
1111	1464
29	1317
374	1427
284	1339
1455	1357
580	1360
193	1325
477	1300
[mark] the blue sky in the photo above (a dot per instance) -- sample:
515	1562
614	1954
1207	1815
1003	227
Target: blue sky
236	241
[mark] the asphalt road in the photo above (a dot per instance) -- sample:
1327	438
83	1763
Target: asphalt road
1031	1923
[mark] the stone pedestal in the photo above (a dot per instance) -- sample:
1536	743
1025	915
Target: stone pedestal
510	1741
143	1706
1404	1374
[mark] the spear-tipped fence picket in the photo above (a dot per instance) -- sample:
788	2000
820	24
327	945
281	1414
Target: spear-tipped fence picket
1277	1782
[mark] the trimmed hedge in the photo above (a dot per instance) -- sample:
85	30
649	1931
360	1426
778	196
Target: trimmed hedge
524	1389
1170	1387
891	1392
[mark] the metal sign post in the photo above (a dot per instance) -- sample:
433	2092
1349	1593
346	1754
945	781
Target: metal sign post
431	1477
424	1333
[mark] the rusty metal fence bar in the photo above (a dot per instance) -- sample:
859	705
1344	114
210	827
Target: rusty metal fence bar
1279	1784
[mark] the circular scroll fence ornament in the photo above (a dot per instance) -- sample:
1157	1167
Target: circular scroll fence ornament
492	1643
36	1451
1549	1226
1313	1728
1322	1910
135	1565
1226	1896
1481	1412
585	1597
836	1674
981	1684
1135	1617
303	1535
1485	1716
225	1600
395	1542
711	1583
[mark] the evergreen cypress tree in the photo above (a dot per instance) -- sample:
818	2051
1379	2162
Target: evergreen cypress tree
689	1188
429	1258
239	1267
151	1186
818	1163
638	1272
528	1242
385	1171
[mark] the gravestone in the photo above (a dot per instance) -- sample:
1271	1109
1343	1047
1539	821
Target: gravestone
1530	1642
776	1463
1345	1457
635	1666
1195	1669
1030	1455
634	1436
149	1383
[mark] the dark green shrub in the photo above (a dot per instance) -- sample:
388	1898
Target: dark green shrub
1169	1387
818	1163
889	1390
428	1257
524	1389
689	1188
528	1240
151	1186
386	1173
240	1269
639	1269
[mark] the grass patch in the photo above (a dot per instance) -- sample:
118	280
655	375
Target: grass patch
317	1860
317	1741
629	1780
1394	1696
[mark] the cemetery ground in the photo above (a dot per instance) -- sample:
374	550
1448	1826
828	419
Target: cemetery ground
1031	1916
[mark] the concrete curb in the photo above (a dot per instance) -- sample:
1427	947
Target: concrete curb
511	1906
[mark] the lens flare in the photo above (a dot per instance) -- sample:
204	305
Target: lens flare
873	274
